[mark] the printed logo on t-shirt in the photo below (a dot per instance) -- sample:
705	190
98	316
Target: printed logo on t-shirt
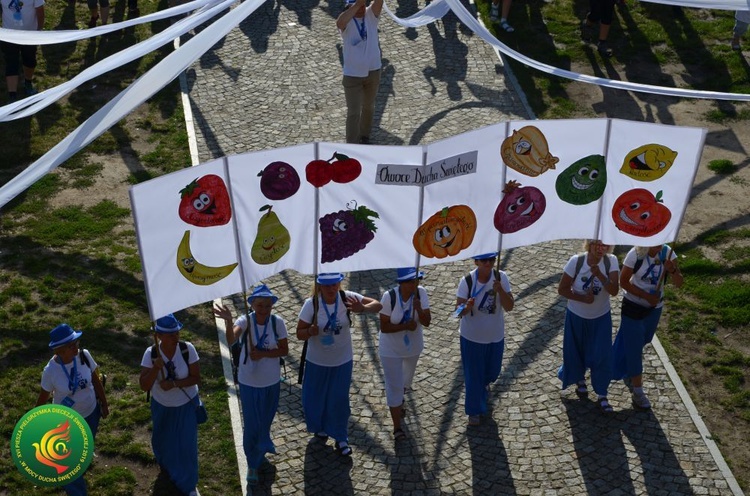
488	304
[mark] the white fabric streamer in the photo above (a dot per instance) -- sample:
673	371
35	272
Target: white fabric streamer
712	4
31	105
141	90
20	37
472	23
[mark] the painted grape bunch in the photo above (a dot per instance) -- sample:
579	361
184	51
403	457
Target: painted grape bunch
346	232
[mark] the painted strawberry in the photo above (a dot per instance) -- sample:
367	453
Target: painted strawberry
205	202
278	181
345	232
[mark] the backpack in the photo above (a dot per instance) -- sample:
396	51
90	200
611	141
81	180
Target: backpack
662	257
579	265
155	353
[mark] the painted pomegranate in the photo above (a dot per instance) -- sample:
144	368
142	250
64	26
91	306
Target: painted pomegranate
519	208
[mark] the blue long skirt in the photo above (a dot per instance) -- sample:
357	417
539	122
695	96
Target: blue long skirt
325	399
174	440
632	336
78	487
481	363
259	407
587	344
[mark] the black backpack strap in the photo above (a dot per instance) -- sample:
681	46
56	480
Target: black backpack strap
607	264
184	351
469	283
579	265
154	354
342	293
392	294
638	264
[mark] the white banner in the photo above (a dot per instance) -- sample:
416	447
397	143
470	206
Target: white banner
221	227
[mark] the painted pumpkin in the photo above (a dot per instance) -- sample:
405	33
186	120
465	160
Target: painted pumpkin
583	182
446	233
519	208
640	213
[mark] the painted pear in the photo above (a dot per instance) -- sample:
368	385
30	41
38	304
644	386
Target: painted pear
272	241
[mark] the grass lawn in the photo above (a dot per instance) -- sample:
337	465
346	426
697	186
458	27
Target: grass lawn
78	263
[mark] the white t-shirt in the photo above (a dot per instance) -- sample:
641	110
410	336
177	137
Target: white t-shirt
647	277
175	396
58	382
601	304
266	371
486	322
361	55
402	343
333	345
21	14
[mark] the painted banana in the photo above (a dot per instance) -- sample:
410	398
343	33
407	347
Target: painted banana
196	272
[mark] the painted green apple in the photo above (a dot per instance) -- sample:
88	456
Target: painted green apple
583	182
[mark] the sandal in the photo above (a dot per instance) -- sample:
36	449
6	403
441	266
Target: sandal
92	21
507	27
321	436
474	420
736	46
399	434
582	391
604	406
344	449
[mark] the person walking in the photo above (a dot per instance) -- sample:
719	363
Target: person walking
588	281
358	26
482	299
644	273
71	378
263	341
602	12
27	16
171	372
324	322
406	310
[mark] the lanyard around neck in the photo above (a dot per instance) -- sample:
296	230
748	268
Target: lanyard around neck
361	28
332	318
260	339
407	313
72	385
478	289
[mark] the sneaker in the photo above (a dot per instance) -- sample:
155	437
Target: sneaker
194	492
494	13
29	89
641	402
603	49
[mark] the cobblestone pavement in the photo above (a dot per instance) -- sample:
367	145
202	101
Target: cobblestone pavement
276	82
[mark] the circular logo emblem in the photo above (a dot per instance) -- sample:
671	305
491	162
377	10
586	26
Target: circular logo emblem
52	445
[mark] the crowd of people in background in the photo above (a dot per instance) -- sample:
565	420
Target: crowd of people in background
170	369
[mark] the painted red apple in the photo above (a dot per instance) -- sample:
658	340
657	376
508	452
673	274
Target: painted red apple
345	169
319	173
519	208
640	213
278	181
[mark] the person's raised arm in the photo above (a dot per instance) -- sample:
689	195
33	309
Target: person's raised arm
40	18
377	7
349	13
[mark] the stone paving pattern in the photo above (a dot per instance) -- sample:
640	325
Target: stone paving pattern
277	82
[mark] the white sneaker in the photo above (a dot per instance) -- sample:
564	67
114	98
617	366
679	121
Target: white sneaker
194	492
641	402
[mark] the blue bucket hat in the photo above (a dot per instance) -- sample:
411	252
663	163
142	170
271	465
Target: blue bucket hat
63	334
485	256
168	324
262	291
408	274
330	278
